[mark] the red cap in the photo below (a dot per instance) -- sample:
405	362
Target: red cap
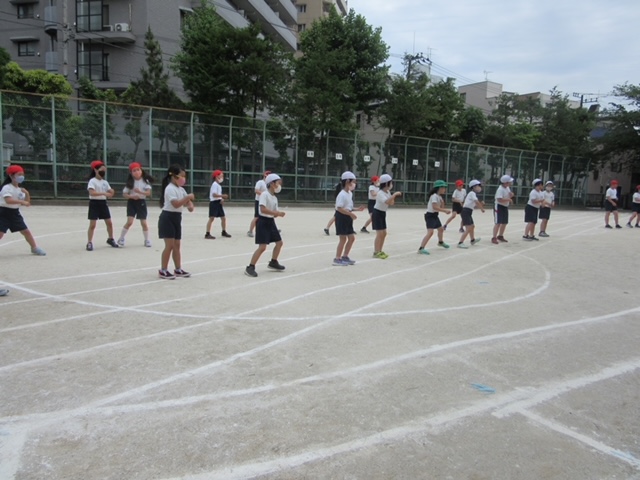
267	172
13	169
375	178
614	182
216	173
134	165
97	164
637	187
459	183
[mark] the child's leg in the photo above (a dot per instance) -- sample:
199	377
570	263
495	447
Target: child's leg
209	224
276	250
342	240
350	241
379	241
166	253
426	238
177	254
496	227
369	220
470	230
606	218
467	231
259	251
109	225
252	225
145	229
503	227
126	227
331	222
92	229
29	238
453	215
1	235
440	234
615	216
543	225
223	221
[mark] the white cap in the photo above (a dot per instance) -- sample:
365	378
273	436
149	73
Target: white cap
506	179
272	177
385	178
537	181
348	176
473	183
549	183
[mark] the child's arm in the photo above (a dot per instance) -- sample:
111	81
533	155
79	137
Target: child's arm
392	200
183	201
344	211
440	208
273	213
13	201
480	205
27	195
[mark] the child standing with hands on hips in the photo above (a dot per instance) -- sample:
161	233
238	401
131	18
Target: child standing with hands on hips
344	219
435	206
12	197
136	191
216	198
99	190
173	199
266	228
470	202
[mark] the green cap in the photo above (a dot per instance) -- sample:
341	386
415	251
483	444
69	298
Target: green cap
440	183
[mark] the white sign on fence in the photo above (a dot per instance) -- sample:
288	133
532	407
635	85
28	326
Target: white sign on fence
338	156
394	160
415	162
309	153
367	158
436	164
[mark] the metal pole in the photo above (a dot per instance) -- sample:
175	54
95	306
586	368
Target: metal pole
561	179
466	172
151	139
296	160
426	173
1	134
104	132
404	173
54	155
230	154
326	164
191	150
264	145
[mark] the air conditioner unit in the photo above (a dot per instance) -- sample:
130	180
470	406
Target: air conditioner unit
107	28
122	27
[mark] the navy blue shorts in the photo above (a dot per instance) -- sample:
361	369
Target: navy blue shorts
609	207
344	224
137	208
378	220
432	220
256	208
530	214
501	214
215	209
266	231
635	207
456	207
370	205
98	210
467	217
545	213
11	219
170	225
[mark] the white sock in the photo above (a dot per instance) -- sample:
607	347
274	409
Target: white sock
146	235
124	232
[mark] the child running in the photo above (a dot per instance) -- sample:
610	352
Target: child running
611	204
635	208
12	196
434	207
504	197
216	198
266	228
457	200
536	199
173	198
137	189
545	209
384	199
99	190
260	187
344	219
470	202
373	191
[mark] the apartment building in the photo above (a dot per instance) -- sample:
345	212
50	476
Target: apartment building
104	39
312	10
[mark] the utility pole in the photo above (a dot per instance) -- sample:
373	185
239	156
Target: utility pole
65	41
581	96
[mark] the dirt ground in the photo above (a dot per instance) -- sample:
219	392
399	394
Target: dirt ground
517	360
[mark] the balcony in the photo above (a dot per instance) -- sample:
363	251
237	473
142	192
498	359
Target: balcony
259	12
51	62
51	20
286	10
22	2
117	33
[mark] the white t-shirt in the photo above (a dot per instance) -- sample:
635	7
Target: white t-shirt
173	192
636	197
612	193
435	198
261	186
141	185
458	195
470	200
381	201
535	195
269	201
373	190
549	198
10	191
503	193
99	186
344	200
217	189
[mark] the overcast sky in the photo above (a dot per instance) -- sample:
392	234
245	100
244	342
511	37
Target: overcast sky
584	46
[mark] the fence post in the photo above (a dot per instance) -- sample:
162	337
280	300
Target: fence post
426	174
1	134
264	146
104	132
326	166
295	163
466	171
191	150
151	139
404	173
54	154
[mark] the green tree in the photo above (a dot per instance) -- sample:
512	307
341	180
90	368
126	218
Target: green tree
473	124
100	102
5	58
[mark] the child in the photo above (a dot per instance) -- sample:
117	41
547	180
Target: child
635	208
611	204
216	198
379	216
457	199
531	209
344	219
99	190
470	202
11	197
504	197
260	187
545	209
373	191
172	199
136	190
434	207
266	228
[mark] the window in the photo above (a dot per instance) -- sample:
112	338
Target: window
302	27
89	15
26	10
26	49
93	62
302	8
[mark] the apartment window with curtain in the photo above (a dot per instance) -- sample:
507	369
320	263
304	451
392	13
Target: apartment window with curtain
26	49
89	15
26	10
93	62
302	8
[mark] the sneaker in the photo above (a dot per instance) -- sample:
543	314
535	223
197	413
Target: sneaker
225	234
608	226
543	234
250	271
89	247
381	255
629	225
494	240
527	237
637	225
178	272
166	275
113	243
462	245
533	237
348	260
443	245
423	251
274	265
461	230
364	230
121	242
337	262
208	236
618	226
326	231
249	234
38	251
475	240
147	243
502	239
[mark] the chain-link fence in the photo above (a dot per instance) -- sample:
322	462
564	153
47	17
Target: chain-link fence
56	139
